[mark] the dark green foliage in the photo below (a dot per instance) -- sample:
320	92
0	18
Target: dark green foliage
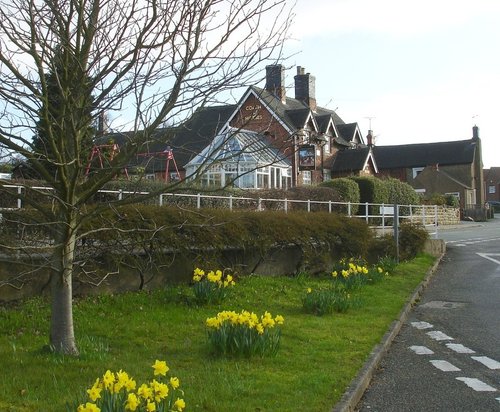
371	189
381	247
347	190
400	193
161	228
441	200
412	238
303	193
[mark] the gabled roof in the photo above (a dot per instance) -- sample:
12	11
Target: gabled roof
240	146
186	140
348	132
293	113
425	154
433	179
352	160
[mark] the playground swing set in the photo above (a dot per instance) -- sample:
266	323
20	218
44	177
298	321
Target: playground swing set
106	153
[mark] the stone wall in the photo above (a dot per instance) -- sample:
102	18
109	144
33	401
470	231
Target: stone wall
446	216
176	268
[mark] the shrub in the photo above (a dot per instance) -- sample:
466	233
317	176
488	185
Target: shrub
400	193
347	190
412	238
244	333
382	247
304	193
371	190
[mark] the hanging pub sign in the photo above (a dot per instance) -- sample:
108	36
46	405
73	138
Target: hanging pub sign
307	157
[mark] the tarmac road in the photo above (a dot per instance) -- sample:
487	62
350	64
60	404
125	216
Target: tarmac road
446	356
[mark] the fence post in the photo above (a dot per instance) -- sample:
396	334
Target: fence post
349	209
383	218
286	206
259	206
120	194
396	230
308	205
436	221
19	201
161	199
329	206
366	212
198	201
230	202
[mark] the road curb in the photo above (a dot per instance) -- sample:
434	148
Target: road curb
355	392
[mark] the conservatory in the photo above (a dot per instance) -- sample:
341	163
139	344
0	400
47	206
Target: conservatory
242	159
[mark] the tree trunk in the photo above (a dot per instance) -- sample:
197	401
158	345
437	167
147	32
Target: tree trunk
62	336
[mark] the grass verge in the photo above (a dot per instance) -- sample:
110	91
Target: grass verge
318	357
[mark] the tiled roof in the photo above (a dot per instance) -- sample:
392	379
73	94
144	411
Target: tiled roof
347	131
186	140
425	154
292	111
350	160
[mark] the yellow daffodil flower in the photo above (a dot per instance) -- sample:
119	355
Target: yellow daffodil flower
160	368
174	382
179	404
88	407
132	402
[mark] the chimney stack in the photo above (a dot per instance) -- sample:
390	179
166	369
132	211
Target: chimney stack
370	141
275	81
475	133
305	88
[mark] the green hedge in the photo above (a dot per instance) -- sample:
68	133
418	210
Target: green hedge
347	190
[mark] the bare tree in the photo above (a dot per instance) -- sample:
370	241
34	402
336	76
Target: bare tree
149	61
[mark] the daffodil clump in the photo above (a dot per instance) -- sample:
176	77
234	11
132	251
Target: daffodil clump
211	286
324	301
244	333
117	392
354	274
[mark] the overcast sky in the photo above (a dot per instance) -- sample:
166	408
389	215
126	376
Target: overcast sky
424	71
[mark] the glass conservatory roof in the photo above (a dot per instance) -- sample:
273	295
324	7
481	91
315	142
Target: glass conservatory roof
240	146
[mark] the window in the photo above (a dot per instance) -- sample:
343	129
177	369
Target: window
306	177
491	189
416	171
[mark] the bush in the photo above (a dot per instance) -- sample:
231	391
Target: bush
412	238
347	190
400	193
442	200
304	193
371	190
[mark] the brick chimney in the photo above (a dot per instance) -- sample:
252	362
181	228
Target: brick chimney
475	133
370	140
305	88
275	81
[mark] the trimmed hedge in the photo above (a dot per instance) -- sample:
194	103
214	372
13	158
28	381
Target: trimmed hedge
347	190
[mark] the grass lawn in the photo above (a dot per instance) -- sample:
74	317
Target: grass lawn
318	357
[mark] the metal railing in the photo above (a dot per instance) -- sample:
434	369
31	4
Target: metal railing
379	216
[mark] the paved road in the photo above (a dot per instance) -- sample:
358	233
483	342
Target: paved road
447	354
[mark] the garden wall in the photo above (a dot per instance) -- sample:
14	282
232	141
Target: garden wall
176	268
